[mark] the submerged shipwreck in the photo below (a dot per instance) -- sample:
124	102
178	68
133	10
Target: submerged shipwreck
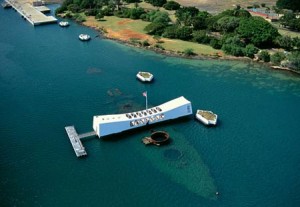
178	160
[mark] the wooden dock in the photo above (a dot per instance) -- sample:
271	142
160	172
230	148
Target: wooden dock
30	13
75	140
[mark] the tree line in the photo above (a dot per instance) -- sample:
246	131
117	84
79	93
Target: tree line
234	31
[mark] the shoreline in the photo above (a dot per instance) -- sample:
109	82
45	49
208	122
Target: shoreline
104	34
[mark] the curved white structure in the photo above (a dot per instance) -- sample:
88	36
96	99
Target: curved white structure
105	125
207	117
63	24
84	37
144	76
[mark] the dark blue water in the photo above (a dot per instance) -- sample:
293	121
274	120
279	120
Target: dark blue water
49	79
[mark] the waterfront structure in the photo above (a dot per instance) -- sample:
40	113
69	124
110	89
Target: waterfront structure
105	125
144	76
207	117
32	14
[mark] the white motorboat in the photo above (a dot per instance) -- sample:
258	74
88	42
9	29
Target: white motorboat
144	76
207	117
84	37
63	24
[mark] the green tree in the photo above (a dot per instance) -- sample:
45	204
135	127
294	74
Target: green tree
99	16
233	46
227	24
284	42
257	31
287	18
64	6
179	32
157	17
277	57
186	14
189	52
241	13
171	5
184	33
73	8
294	60
145	43
264	56
135	13
158	3
201	37
296	43
250	50
171	32
155	28
200	21
131	1
288	4
215	43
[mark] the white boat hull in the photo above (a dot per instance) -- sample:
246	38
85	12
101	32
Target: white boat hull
64	24
84	37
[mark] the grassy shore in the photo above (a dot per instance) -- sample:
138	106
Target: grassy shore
129	30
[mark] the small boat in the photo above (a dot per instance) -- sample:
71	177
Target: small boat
207	117
144	76
63	24
84	37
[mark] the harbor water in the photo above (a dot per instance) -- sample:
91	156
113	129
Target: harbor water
49	79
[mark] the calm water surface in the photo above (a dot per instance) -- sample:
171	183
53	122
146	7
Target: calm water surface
49	79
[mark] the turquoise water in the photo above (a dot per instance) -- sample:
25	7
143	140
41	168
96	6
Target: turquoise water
49	79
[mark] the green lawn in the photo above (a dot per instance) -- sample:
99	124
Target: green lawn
180	46
289	33
113	23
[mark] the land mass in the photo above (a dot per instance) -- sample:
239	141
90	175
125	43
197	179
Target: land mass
115	24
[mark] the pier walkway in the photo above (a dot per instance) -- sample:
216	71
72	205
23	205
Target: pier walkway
88	134
75	140
30	13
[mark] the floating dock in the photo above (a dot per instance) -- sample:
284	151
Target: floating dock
30	13
75	140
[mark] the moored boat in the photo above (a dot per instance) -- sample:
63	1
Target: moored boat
144	76
84	37
63	24
207	117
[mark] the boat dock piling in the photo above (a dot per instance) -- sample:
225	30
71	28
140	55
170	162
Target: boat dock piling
30	13
75	140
